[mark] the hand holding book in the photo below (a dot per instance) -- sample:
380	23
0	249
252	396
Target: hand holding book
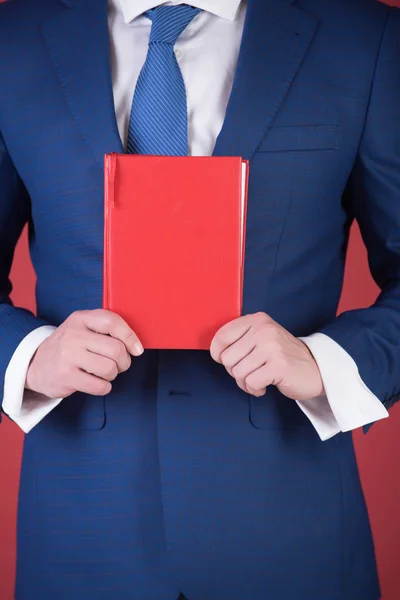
258	352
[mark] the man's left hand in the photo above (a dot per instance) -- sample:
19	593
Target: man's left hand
257	352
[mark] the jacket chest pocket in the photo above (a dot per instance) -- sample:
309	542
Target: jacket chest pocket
299	138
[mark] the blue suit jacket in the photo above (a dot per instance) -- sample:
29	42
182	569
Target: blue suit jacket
177	480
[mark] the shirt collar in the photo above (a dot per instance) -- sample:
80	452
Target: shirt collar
226	9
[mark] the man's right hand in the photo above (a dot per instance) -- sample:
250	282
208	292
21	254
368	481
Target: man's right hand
84	354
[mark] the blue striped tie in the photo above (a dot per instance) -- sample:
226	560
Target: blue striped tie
158	122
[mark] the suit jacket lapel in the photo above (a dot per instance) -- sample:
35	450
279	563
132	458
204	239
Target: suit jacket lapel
275	40
78	42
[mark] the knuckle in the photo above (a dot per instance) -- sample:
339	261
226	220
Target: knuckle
272	333
101	387
107	388
226	360
253	391
237	371
106	317
131	342
111	371
262	318
273	348
131	337
126	363
219	340
213	351
251	384
117	349
248	382
217	347
75	316
217	336
98	312
72	317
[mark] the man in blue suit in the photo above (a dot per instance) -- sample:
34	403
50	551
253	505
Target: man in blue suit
221	475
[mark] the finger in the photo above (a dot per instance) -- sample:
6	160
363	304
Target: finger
238	351
243	369
109	323
256	383
110	348
228	335
97	365
90	384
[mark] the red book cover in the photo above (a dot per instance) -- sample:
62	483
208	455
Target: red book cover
174	239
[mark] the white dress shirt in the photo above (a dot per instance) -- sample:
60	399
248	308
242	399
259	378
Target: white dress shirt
207	53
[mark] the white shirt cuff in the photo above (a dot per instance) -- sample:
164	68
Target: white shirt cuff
23	406
348	403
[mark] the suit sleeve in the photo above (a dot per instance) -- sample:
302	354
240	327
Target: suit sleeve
372	335
15	323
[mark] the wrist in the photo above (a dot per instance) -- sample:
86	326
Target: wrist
319	388
30	376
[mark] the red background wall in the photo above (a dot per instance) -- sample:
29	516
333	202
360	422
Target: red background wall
378	452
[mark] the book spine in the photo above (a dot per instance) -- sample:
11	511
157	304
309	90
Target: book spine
244	225
110	161
110	170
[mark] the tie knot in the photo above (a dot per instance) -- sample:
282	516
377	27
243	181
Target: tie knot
168	22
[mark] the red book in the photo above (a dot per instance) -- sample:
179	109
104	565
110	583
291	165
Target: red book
174	239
